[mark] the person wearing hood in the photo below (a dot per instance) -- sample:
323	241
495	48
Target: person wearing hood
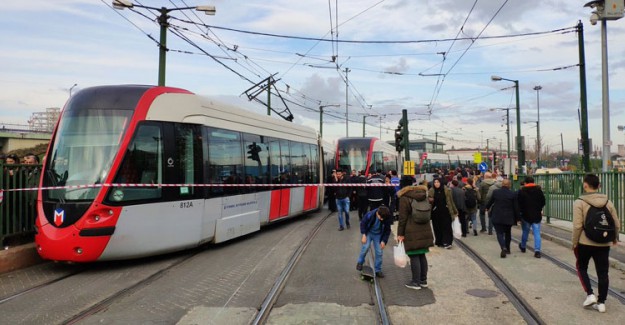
458	196
443	212
585	248
485	185
531	203
417	237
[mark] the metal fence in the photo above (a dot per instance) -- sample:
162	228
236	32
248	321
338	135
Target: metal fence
18	209
561	190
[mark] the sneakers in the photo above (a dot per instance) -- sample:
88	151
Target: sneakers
591	299
537	254
424	284
503	254
447	246
599	307
412	285
483	230
490	232
348	226
379	274
474	232
341	228
523	249
359	267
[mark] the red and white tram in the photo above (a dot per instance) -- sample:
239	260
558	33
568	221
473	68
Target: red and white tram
114	143
366	154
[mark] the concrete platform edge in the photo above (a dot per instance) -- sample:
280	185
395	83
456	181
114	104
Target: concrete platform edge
18	257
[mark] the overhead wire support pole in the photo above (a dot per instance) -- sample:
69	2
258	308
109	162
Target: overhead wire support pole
583	99
346	103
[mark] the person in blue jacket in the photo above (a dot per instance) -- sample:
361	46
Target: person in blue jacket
375	228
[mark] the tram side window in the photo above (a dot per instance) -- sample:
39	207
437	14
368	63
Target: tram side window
314	164
299	162
188	156
143	163
225	161
256	161
377	162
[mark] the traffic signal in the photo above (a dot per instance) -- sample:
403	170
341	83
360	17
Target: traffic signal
399	138
253	151
494	159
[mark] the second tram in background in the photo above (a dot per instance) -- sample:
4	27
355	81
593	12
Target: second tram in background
366	154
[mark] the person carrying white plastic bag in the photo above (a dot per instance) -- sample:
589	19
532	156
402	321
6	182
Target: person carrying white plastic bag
399	253
414	229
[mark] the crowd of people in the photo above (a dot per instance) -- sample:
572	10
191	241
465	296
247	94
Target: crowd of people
19	173
460	195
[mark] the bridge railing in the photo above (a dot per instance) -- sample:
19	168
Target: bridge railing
18	209
561	190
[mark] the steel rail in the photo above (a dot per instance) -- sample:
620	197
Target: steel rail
265	308
523	307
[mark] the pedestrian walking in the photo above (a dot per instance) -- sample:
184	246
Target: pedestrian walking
330	191
342	193
417	237
375	228
503	208
375	194
485	185
361	192
531	203
443	213
588	210
471	199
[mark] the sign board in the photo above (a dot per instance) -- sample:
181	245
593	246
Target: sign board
477	157
482	167
409	168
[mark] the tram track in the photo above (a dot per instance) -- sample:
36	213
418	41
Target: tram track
523	307
39	286
272	297
571	269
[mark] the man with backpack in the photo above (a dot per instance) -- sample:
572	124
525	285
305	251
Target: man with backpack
471	198
531	203
595	227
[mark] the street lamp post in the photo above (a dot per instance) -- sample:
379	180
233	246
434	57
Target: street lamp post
162	21
519	141
436	139
507	134
538	144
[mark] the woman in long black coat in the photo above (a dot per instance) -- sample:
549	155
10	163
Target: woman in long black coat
443	213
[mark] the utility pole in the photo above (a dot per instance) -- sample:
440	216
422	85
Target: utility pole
538	88
269	97
607	144
346	103
404	114
562	147
583	99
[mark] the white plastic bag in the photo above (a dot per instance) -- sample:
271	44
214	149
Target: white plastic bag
456	226
399	253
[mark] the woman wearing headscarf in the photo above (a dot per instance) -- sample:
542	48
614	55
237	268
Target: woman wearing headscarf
443	212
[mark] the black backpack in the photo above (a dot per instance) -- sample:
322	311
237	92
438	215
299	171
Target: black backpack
470	198
421	211
599	225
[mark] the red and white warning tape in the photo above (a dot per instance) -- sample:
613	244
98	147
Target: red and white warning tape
72	187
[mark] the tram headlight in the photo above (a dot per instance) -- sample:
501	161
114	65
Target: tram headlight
78	250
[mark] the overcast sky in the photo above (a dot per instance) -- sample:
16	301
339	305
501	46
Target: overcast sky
48	46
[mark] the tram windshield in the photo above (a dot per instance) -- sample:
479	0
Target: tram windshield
353	154
83	151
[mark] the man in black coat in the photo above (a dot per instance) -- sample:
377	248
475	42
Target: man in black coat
531	203
505	213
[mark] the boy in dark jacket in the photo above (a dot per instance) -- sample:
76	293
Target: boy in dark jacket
531	203
375	227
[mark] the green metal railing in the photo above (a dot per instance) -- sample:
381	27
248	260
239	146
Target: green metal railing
18	209
561	190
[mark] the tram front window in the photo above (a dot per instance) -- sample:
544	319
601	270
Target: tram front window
83	151
353	158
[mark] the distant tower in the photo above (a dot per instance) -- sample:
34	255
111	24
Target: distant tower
44	121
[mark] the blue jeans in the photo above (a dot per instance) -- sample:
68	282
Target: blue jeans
526	232
375	238
473	218
343	207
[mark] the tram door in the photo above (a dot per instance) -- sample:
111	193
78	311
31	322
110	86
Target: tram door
280	171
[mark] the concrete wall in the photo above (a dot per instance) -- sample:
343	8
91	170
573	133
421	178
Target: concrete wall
10	141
